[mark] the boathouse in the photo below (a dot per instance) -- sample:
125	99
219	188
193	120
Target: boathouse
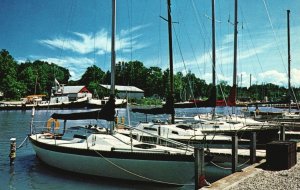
74	92
126	91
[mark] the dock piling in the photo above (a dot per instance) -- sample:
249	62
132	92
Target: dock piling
199	167
282	133
253	148
13	148
234	150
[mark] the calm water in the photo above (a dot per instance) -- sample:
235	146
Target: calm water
29	173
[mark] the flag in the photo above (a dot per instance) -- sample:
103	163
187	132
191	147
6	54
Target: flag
56	81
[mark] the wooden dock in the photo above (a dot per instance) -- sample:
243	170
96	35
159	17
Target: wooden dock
234	180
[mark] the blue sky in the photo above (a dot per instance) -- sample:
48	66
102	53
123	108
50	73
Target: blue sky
76	34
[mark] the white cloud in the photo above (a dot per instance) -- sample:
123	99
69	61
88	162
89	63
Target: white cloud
295	79
100	42
273	76
76	65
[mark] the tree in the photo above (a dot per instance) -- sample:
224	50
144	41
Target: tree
154	82
92	78
11	88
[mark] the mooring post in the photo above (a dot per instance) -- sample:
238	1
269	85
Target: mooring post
253	148
199	167
158	133
65	126
234	150
282	132
13	149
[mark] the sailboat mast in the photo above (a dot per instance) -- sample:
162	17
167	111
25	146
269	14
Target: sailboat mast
171	60
234	85
213	44
113	53
113	59
289	58
235	43
213	54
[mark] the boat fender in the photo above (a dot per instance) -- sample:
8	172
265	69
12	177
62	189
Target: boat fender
123	120
52	122
116	120
202	182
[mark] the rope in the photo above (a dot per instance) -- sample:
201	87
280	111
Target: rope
218	166
137	175
22	143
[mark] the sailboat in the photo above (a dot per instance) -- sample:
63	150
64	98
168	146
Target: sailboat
183	132
212	100
204	126
98	151
281	116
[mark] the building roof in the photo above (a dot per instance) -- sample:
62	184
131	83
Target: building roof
72	89
123	88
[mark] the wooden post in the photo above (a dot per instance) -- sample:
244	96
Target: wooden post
282	132
199	167
13	149
158	133
65	126
234	150
253	148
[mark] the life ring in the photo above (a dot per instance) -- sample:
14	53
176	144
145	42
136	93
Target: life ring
52	121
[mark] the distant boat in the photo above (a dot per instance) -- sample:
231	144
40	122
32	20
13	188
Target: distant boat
210	123
103	152
60	99
211	101
286	102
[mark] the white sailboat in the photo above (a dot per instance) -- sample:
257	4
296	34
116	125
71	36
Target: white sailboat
103	152
184	132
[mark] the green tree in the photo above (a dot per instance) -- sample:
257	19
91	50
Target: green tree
11	88
92	78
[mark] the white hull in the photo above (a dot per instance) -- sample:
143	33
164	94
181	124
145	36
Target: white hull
137	166
174	132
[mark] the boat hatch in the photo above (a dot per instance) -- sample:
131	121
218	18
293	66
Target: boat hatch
79	136
144	146
150	129
233	122
185	127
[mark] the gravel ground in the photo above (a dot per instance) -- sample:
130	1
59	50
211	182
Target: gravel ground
273	180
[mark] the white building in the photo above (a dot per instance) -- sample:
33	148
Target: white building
126	91
72	93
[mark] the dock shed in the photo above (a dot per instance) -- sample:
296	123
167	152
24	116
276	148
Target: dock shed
74	92
124	91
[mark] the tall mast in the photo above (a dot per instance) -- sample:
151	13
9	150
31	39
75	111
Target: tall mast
213	44
234	85
113	53
213	53
113	59
289	58
171	60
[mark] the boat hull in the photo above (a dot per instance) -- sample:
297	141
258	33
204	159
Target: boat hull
149	167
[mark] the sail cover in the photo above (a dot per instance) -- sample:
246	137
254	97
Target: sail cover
106	113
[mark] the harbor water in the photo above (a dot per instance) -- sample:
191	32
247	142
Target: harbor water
29	173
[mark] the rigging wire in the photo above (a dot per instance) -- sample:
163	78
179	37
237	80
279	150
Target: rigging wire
181	55
135	174
277	45
252	43
274	34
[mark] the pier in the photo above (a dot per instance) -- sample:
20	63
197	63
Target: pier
257	176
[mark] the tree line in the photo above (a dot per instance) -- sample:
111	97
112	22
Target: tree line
21	79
